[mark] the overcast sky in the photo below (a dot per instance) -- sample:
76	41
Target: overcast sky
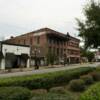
22	16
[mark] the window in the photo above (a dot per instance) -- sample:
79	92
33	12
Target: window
49	41
64	43
31	41
57	51
64	50
24	41
50	49
57	42
38	40
18	41
54	50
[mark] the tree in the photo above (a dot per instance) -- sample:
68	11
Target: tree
88	54
89	29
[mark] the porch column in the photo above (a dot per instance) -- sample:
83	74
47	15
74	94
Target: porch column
3	64
69	60
28	63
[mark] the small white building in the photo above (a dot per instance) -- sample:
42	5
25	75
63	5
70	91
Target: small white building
14	56
97	56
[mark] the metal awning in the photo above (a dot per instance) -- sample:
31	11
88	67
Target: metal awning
10	56
34	57
24	56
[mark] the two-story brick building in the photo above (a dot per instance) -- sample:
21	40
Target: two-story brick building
47	40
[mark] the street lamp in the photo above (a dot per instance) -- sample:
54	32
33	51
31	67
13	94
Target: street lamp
64	59
68	38
36	53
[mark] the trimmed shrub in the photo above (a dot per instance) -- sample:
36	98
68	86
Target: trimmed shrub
14	93
53	96
46	80
95	75
93	93
60	90
88	79
98	68
39	91
77	85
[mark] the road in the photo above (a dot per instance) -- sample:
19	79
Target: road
40	71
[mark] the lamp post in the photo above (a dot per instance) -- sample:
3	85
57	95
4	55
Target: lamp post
68	38
64	60
36	53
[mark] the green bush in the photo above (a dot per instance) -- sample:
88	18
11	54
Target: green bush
53	96
88	79
39	91
93	93
14	93
95	75
98	68
77	85
60	90
46	80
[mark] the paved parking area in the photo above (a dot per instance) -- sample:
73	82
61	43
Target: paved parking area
40	71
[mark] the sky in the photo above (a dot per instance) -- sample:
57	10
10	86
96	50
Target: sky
22	16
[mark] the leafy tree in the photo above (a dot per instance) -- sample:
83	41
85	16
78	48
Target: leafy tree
83	52
88	54
89	29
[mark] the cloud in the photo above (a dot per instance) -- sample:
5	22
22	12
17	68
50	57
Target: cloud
18	16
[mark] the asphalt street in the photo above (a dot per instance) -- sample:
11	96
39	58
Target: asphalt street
40	71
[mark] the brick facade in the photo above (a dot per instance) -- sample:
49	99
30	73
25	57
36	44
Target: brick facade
49	40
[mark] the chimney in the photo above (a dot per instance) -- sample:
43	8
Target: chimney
11	37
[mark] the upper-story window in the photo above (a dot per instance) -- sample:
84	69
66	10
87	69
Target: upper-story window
19	41
38	40
64	43
50	49
49	41
31	40
57	42
24	41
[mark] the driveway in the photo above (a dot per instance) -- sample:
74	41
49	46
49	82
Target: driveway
40	71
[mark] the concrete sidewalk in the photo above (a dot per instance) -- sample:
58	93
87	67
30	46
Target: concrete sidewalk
40	71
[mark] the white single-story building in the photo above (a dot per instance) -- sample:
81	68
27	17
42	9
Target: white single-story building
97	56
14	56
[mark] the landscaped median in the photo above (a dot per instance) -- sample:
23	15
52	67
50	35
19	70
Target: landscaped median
15	93
47	80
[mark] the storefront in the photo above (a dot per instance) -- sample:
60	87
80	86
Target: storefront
14	56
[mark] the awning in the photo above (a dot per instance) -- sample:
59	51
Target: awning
24	56
1	55
38	57
10	56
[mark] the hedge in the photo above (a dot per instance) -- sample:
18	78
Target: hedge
93	93
60	90
88	79
46	80
77	85
95	75
15	93
53	96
